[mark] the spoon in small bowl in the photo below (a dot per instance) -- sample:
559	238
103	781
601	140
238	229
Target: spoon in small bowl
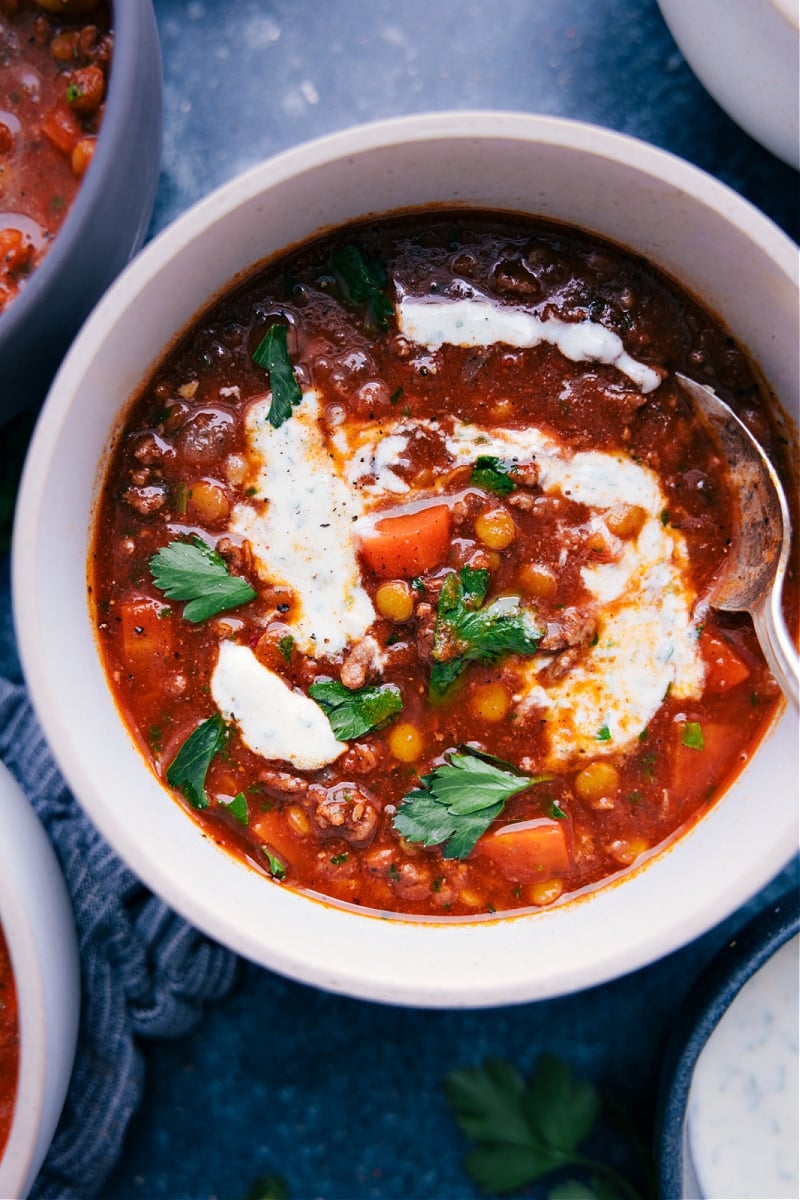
751	578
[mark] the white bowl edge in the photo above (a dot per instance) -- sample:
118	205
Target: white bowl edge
621	927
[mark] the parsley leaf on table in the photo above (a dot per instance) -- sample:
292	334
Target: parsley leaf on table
525	1130
272	354
458	801
195	572
353	713
362	282
187	771
268	1187
492	474
465	632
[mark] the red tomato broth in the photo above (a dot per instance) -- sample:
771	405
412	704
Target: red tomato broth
9	1044
53	74
183	462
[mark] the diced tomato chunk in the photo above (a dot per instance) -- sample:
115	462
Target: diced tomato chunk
724	668
402	547
527	849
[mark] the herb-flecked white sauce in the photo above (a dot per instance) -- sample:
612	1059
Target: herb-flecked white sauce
743	1104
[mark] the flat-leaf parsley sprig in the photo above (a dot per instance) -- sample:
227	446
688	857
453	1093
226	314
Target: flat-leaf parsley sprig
466	632
272	353
458	801
524	1131
361	281
195	572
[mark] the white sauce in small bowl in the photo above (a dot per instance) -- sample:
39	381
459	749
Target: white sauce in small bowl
743	1117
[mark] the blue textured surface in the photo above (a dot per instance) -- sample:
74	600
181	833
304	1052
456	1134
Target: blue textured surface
341	1097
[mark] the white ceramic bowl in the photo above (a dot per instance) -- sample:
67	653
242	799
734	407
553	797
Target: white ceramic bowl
698	231
37	922
746	53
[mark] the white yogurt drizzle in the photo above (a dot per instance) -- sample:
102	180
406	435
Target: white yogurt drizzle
477	321
302	537
273	720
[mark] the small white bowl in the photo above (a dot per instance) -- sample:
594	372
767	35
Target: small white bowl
37	922
721	248
746	53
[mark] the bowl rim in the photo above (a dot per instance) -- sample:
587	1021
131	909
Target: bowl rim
38	926
711	996
367	978
130	24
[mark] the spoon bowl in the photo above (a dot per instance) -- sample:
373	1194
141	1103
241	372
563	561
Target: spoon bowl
751	578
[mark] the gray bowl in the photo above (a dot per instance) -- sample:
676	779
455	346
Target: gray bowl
106	224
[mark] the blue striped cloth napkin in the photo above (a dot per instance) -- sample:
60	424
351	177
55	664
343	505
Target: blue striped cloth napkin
144	971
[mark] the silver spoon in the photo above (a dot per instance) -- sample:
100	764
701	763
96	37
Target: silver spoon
751	578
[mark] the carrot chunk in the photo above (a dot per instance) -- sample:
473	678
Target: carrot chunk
724	668
145	632
527	849
402	547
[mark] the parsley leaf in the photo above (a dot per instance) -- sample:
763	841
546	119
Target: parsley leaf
692	735
276	868
465	632
525	1131
268	1187
491	473
353	713
362	281
286	647
195	572
187	771
458	801
237	807
272	354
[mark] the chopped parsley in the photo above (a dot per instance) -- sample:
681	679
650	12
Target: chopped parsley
272	354
492	474
604	734
237	807
361	282
188	770
195	572
286	647
557	812
465	632
353	713
692	735
277	869
458	801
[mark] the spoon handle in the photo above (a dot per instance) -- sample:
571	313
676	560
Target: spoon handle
778	645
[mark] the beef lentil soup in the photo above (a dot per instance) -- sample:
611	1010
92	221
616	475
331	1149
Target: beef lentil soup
9	1044
399	566
55	57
